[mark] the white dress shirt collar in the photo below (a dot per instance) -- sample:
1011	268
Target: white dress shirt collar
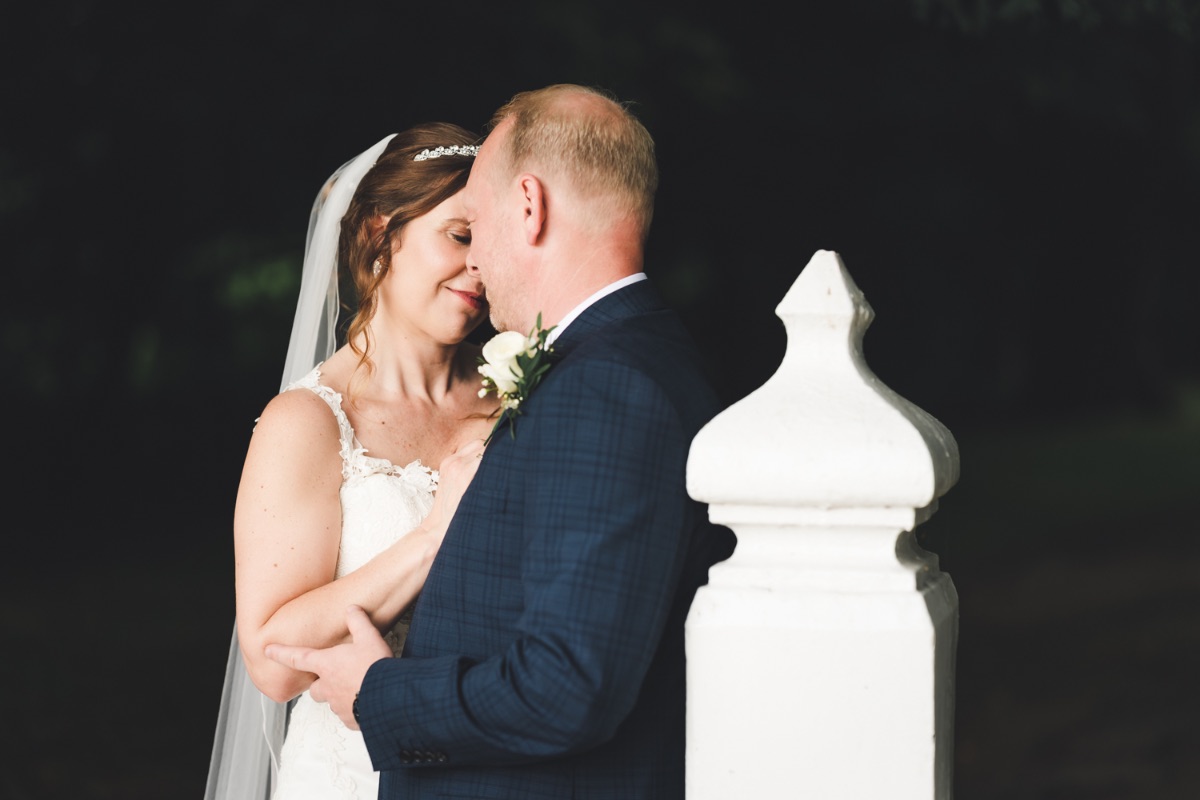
579	309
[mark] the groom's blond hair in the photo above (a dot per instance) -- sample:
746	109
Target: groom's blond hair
591	138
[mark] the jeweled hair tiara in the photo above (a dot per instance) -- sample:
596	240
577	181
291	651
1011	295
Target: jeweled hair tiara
453	150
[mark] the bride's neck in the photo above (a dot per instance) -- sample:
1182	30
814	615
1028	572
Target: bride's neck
408	367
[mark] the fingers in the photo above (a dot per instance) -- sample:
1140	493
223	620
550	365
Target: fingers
458	470
455	474
359	623
462	464
471	449
298	658
364	636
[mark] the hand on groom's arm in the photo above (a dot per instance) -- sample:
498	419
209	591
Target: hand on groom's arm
339	669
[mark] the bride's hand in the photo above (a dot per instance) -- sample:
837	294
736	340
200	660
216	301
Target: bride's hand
454	476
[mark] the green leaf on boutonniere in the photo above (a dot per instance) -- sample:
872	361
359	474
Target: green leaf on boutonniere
512	365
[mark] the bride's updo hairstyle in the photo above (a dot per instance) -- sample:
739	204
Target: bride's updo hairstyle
400	189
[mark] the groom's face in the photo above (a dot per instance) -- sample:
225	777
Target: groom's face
493	254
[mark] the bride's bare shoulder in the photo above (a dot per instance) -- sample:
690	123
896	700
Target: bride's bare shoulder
294	412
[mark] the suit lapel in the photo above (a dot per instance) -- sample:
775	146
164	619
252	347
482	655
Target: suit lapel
629	301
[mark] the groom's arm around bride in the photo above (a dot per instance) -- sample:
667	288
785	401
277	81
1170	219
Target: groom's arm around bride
546	653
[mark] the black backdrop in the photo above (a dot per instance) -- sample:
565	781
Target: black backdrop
1014	186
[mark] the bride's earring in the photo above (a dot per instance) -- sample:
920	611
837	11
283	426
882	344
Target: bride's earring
377	267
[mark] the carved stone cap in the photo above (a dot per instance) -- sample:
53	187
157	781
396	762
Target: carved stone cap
823	431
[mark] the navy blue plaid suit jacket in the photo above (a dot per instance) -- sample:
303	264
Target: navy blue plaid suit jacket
546	653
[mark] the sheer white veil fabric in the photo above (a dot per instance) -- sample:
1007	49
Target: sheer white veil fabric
250	726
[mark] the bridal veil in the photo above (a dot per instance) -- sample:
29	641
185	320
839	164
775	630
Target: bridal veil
250	726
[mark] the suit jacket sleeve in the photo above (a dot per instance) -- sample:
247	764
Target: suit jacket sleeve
607	528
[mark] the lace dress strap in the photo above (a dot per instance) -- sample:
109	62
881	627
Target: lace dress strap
351	451
355	461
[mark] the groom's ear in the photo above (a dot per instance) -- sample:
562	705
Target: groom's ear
533	198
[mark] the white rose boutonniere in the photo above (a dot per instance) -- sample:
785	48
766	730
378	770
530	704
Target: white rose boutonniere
512	365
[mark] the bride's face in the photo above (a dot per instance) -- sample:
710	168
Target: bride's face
428	291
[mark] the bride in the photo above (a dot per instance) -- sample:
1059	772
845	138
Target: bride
338	503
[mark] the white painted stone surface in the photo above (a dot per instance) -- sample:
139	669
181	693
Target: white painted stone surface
821	654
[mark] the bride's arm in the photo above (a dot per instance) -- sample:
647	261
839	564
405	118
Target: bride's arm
287	528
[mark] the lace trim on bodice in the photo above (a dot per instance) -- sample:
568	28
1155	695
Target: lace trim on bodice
356	464
380	502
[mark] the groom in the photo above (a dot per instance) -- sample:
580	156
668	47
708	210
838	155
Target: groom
546	653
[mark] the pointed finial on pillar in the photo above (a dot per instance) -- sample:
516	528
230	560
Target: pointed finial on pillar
824	432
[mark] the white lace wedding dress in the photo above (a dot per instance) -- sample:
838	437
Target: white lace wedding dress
321	758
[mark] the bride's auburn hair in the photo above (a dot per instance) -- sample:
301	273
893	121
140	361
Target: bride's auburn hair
398	189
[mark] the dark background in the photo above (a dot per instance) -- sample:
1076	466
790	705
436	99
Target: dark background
1013	184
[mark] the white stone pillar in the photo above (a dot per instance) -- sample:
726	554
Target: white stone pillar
821	654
